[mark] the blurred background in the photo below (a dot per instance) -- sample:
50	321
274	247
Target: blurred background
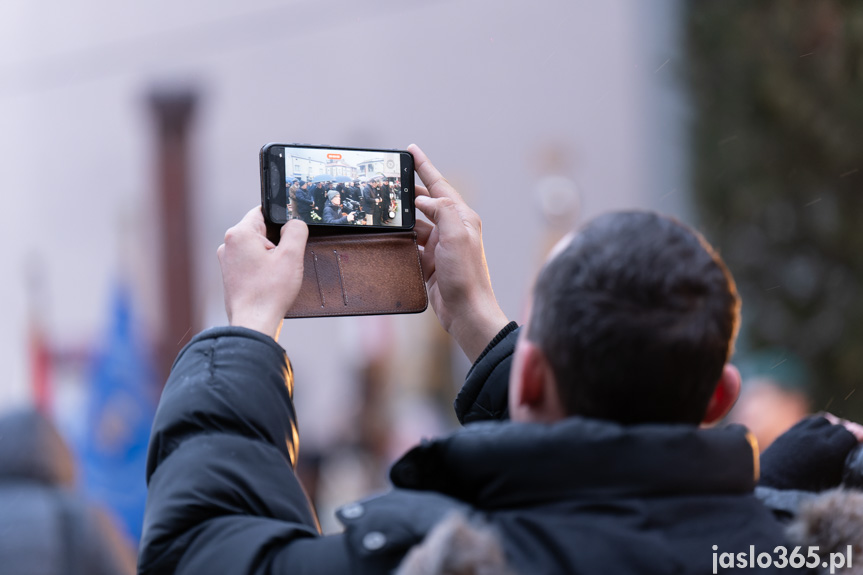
129	135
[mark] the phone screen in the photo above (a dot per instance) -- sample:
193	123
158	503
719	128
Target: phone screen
330	186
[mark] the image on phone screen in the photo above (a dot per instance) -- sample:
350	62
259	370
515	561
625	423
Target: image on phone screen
340	186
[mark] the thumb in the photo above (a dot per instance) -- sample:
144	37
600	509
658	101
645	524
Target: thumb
292	238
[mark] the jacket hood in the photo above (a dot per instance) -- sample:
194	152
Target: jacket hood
503	464
31	449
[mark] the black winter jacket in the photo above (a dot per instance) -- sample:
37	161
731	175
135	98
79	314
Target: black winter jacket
333	214
578	496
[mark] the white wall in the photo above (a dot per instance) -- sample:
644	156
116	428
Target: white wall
487	88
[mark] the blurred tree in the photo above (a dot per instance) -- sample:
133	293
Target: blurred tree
777	91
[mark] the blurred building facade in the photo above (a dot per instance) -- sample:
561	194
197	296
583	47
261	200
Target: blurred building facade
493	92
543	114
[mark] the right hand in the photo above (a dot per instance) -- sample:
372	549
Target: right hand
351	216
453	262
811	455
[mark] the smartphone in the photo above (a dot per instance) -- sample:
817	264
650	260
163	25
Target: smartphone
341	187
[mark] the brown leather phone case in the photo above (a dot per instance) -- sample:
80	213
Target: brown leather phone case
361	274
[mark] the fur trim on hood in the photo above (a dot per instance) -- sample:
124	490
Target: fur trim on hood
833	520
457	547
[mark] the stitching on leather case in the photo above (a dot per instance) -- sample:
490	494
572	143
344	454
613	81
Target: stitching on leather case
318	279
376	312
341	282
390	310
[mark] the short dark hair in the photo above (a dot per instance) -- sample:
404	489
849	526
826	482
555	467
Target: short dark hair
637	316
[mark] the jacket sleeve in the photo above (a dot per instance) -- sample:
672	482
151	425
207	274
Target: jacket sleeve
484	394
331	216
223	497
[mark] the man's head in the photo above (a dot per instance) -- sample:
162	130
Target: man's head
334	197
633	320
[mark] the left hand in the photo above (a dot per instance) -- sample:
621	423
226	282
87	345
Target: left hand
261	279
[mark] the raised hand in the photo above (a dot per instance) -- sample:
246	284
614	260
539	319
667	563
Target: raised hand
453	261
261	279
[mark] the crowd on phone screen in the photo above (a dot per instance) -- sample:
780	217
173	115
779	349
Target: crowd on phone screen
368	201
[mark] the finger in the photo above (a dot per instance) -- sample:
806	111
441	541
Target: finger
855	428
220	252
426	206
442	212
423	230
293	236
427	262
254	219
437	185
831	418
421	190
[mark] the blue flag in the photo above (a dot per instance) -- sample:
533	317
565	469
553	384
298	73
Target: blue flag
120	414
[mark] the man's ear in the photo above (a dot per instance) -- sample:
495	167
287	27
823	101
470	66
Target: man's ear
531	393
726	393
533	388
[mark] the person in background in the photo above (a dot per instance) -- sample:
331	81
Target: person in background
304	204
45	528
380	200
370	201
319	197
333	210
292	198
775	394
353	191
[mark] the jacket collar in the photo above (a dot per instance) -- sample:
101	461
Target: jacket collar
504	464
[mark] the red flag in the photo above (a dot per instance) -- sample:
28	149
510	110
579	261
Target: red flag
40	369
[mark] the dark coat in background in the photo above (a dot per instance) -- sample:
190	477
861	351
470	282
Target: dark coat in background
44	528
319	195
353	194
369	195
578	496
303	205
